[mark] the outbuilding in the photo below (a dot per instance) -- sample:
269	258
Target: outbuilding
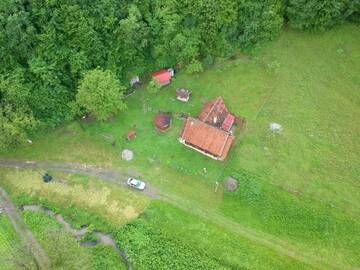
183	94
163	76
131	134
162	121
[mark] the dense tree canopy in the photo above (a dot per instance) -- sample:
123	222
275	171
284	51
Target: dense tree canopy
314	14
46	46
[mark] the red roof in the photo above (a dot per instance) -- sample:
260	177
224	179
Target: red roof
162	76
228	122
207	138
131	133
214	112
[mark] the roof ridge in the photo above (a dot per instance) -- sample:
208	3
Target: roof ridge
198	120
225	142
212	107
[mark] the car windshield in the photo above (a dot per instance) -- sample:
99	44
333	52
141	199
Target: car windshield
135	182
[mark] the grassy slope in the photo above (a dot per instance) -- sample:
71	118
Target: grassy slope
111	202
92	258
306	178
8	239
168	238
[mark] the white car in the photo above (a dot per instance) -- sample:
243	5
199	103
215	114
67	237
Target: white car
132	182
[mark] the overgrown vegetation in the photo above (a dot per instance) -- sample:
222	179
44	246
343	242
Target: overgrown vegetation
164	237
64	251
74	194
9	241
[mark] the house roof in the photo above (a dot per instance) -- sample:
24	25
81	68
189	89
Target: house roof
162	76
214	112
131	133
207	138
228	122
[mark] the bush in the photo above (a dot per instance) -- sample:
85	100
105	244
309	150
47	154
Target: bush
194	67
153	87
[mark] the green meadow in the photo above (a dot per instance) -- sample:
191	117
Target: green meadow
299	186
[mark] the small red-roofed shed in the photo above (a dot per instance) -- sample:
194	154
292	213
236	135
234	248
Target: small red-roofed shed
162	76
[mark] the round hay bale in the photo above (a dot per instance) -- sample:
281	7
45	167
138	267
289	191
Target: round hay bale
127	155
231	184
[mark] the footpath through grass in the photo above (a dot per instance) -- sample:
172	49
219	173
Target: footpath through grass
301	185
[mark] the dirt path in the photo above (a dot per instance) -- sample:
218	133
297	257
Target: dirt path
109	175
278	245
105	239
24	232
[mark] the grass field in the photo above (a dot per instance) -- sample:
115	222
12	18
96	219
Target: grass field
301	185
8	242
63	249
116	204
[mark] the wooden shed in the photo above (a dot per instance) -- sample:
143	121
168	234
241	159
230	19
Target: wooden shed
162	121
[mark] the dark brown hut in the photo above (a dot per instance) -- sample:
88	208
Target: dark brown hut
162	121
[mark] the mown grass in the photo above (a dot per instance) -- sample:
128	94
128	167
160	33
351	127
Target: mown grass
303	182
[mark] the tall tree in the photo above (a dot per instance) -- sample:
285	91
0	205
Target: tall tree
16	119
100	94
314	14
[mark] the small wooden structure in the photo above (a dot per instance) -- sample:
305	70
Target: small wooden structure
162	121
163	76
131	134
135	81
183	94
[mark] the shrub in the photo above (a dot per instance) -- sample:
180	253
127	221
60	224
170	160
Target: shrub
153	87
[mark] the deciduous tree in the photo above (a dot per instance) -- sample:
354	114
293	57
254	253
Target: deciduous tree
100	94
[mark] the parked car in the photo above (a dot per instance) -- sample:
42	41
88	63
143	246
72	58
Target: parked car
135	183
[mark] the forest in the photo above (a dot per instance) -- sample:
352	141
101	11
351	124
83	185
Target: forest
52	50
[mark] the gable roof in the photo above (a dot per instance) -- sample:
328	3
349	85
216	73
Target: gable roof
228	122
183	93
214	112
163	76
207	138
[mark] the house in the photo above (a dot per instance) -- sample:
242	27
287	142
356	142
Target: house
210	133
206	139
163	76
215	112
183	94
162	121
